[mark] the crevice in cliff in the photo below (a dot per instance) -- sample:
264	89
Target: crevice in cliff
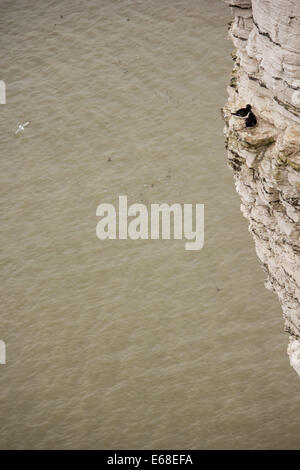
267	35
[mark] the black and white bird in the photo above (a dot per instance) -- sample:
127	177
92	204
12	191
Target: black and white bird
21	127
251	120
243	112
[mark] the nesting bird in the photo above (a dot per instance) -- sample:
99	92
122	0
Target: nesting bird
251	120
243	112
247	114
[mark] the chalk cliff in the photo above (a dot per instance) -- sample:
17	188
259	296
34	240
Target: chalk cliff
266	158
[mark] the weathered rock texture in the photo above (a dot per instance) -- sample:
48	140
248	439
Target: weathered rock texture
266	159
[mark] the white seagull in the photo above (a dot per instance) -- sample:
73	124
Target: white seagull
21	127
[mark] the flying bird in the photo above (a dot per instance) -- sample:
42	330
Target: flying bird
243	112
21	127
251	120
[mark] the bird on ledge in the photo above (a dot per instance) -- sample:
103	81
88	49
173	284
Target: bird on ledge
243	112
251	120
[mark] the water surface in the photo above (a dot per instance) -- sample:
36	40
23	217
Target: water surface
129	344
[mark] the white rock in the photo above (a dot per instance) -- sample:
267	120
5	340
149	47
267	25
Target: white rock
266	159
294	354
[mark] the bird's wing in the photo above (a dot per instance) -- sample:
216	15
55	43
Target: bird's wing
18	130
26	123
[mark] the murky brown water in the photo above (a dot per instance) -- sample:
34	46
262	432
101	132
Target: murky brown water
129	344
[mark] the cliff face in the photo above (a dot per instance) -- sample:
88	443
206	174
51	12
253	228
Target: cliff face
266	158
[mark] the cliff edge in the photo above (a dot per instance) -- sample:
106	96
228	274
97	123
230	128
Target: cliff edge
266	158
